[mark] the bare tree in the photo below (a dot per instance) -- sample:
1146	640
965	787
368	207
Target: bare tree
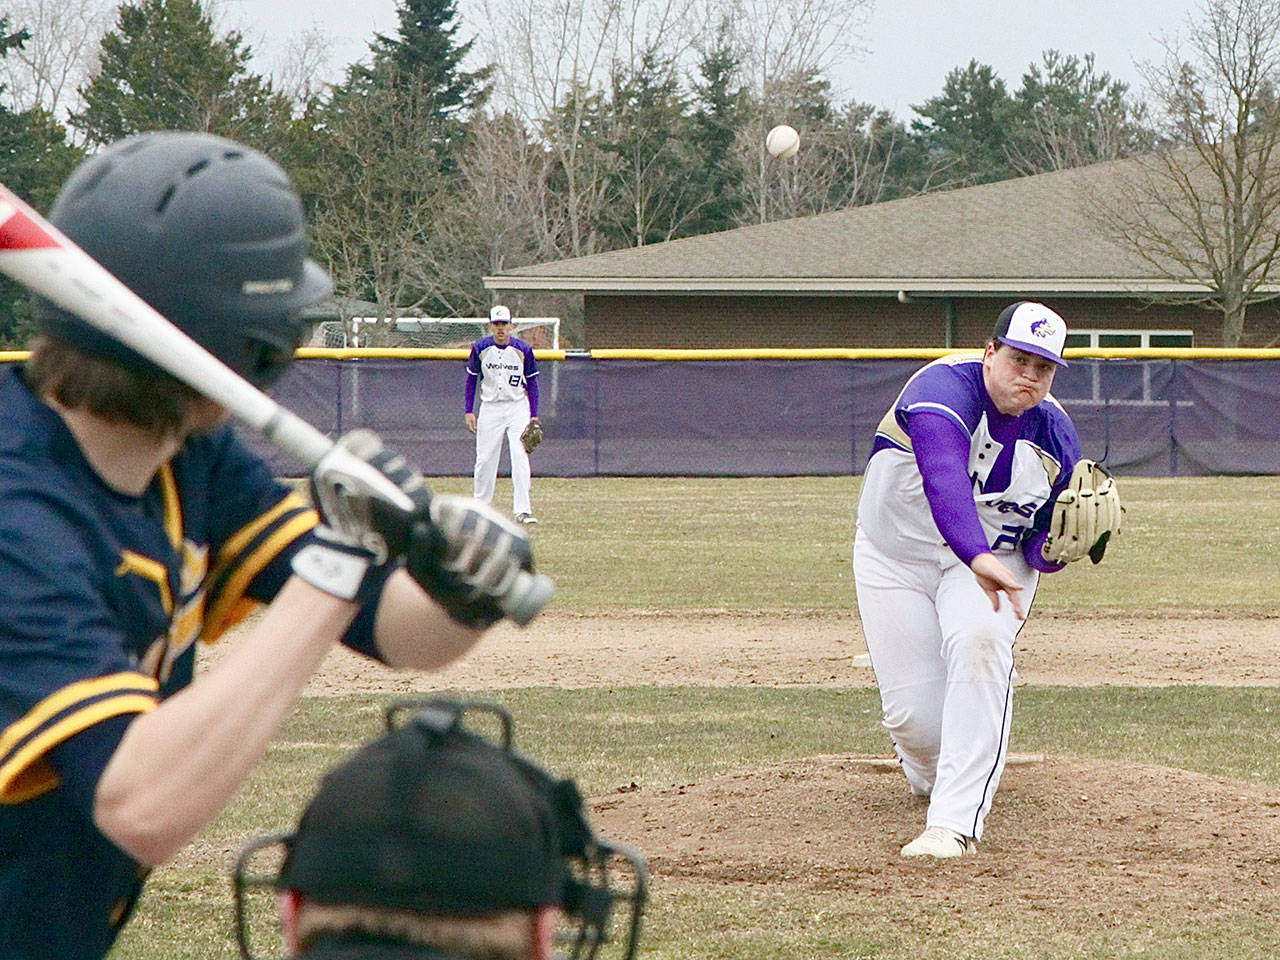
553	59
501	214
1204	209
60	55
784	46
300	71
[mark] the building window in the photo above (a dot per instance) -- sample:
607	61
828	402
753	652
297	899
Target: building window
1131	338
1129	383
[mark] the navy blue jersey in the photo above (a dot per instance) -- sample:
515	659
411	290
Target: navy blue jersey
102	596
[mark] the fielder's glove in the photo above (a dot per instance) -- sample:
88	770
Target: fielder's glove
532	435
1086	515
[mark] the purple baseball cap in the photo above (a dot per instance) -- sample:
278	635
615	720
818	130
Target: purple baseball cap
1032	328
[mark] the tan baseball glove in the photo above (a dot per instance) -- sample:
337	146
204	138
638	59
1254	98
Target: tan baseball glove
531	435
1086	515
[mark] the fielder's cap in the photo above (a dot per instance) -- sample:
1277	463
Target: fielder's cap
1033	328
500	314
437	821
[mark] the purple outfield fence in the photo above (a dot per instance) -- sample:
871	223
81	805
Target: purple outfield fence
1149	417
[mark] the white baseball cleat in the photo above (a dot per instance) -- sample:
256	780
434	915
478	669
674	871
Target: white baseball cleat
940	842
528	519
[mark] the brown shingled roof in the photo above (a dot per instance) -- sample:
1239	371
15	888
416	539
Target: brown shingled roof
1030	233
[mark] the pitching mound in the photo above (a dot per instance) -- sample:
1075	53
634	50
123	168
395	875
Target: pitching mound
1091	841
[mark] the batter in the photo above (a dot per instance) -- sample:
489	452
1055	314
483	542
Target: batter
954	513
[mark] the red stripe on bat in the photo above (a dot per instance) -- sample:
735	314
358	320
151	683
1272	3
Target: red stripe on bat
19	232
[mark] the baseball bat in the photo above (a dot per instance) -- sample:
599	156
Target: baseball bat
39	256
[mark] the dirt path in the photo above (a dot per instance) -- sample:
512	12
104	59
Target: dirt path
1071	843
822	649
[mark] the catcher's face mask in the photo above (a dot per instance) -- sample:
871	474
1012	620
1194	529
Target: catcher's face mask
434	817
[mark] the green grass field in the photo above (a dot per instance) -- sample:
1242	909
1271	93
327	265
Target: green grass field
784	544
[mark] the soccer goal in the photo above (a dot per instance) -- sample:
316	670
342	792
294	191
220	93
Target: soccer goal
429	332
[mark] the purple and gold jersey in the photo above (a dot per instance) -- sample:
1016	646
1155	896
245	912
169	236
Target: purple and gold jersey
1015	464
501	373
102	596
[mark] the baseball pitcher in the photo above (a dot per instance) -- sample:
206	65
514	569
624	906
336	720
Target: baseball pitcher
975	486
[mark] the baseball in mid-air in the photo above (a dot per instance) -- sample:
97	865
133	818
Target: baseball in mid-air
782	141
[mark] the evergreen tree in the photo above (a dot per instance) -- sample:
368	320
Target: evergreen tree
426	57
162	68
378	160
901	155
1067	114
427	49
964	126
721	106
35	159
650	188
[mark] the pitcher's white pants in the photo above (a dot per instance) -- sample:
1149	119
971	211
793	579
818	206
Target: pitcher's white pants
497	419
943	661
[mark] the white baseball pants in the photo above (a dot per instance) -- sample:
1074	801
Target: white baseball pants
943	661
496	419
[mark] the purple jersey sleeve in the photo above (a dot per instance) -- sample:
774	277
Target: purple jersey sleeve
473	378
951	392
942	453
1031	548
531	379
531	388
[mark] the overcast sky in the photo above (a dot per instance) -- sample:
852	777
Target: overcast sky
911	45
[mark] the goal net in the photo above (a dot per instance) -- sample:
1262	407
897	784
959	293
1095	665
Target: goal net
430	332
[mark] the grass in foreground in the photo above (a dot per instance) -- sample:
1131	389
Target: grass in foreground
786	542
658	737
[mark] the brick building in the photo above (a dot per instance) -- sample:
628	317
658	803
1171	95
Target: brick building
926	271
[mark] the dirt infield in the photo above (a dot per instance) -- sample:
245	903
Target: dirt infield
822	649
1090	844
1083	844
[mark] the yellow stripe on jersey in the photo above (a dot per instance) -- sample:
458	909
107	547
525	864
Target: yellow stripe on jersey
227	608
1051	466
149	569
241	538
28	775
172	508
133	693
890	429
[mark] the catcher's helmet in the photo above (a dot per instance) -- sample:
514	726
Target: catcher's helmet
209	232
438	819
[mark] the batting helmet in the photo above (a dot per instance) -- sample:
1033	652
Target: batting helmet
209	232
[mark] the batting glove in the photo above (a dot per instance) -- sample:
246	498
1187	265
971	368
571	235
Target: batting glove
358	479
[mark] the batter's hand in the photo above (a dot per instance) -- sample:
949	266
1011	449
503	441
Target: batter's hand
995	578
471	422
355	481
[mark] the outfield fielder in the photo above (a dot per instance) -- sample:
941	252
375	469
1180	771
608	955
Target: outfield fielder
502	370
972	490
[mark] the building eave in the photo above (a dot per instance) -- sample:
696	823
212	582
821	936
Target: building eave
849	286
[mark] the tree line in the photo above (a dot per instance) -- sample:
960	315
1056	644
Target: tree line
590	125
